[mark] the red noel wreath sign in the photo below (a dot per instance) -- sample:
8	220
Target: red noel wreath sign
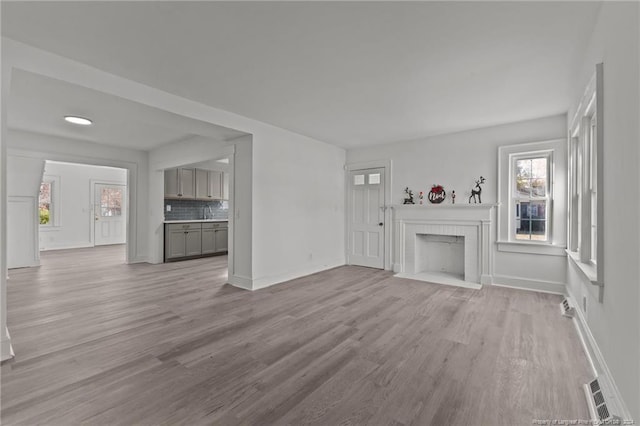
437	194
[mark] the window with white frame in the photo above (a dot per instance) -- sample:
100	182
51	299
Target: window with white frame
45	205
530	198
531	211
585	208
48	202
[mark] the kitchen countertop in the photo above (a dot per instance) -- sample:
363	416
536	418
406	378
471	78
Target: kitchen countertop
196	220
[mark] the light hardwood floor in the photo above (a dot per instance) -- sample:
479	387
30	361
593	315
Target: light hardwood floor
99	342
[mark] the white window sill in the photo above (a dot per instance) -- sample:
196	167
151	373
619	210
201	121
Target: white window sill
531	248
589	270
49	228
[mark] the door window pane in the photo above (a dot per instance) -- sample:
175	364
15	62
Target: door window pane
358	179
374	179
111	202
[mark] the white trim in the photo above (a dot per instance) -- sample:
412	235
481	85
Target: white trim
591	106
531	248
540	286
505	154
240	282
588	270
595	357
260	283
375	164
6	349
35	254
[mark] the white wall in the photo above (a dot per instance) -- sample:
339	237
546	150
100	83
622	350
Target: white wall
456	161
615	323
298	207
6	350
74	193
24	175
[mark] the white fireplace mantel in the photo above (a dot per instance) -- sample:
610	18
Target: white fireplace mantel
474	222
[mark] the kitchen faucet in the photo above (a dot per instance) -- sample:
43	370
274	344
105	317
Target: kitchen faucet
204	212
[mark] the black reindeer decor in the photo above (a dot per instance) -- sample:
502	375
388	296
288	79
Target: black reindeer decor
477	191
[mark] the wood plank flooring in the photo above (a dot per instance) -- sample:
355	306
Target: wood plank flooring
99	342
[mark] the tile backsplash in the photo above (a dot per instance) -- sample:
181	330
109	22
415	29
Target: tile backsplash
194	209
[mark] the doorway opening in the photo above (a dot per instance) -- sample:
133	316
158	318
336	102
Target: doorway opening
198	199
83	206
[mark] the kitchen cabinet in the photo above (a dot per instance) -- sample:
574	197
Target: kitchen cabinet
222	240
195	239
193	242
215	237
225	186
180	183
208	185
187	183
171	184
182	240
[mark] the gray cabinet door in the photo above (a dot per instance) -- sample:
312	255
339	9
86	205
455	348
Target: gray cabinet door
215	185
202	185
187	183
193	242
225	186
175	244
208	240
222	239
171	183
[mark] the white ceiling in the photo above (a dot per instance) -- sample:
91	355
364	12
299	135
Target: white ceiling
351	74
38	104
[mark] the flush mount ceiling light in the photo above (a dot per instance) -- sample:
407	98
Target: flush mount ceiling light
78	120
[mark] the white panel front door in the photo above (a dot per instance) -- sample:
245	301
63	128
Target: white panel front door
110	220
366	218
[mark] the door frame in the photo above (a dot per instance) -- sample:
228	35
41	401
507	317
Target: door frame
92	192
363	165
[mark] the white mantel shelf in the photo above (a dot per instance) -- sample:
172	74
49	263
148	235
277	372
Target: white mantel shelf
474	222
444	206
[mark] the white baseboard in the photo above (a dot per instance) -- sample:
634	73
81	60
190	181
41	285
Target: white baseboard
259	283
68	247
397	268
6	350
594	355
240	282
29	264
527	284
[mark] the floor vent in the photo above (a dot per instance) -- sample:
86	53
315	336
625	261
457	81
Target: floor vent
601	401
566	309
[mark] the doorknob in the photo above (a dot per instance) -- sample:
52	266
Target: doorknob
381	224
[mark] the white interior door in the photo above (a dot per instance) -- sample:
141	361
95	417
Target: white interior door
366	218
110	210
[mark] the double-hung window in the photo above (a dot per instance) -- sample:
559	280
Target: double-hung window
530	196
45	203
48	202
585	207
